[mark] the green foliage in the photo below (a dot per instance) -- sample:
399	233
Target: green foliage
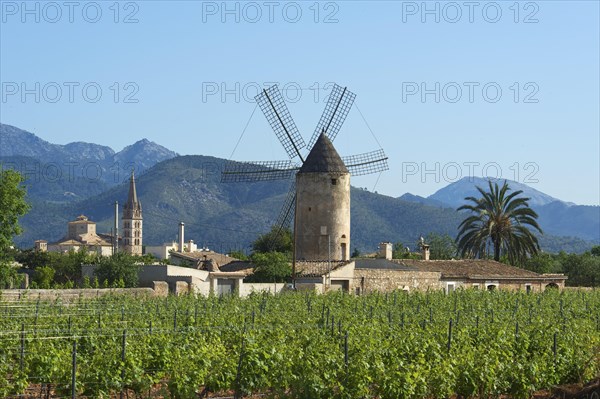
595	251
9	278
275	240
399	252
68	265
13	205
355	253
270	267
441	246
583	270
32	259
543	263
398	345
498	223
119	270
238	255
44	277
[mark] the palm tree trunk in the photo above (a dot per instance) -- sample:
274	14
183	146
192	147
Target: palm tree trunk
497	250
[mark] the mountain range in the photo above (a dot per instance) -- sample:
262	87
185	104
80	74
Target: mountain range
230	216
77	170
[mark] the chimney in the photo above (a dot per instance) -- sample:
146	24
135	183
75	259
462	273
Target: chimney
191	246
385	250
181	241
425	252
116	237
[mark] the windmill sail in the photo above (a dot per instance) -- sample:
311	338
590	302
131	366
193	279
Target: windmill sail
367	163
273	107
338	105
257	171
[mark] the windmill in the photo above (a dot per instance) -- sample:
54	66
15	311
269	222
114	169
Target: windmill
320	178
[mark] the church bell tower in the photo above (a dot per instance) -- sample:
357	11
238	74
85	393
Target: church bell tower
132	221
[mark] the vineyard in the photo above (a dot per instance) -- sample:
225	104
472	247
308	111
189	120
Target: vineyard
395	345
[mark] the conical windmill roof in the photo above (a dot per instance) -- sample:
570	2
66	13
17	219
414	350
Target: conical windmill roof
323	158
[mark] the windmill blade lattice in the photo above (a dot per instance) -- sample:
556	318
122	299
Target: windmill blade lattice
257	171
338	105
273	106
367	163
287	210
284	220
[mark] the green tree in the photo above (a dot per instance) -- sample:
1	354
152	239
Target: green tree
44	277
68	265
9	278
118	270
583	270
543	263
441	246
499	221
12	205
595	251
270	267
32	259
275	240
399	251
238	255
355	253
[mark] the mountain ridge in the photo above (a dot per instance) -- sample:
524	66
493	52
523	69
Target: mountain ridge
230	216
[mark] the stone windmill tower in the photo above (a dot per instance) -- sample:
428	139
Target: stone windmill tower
319	198
323	205
132	221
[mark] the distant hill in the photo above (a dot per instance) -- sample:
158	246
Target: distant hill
230	216
74	171
64	181
556	217
423	200
455	193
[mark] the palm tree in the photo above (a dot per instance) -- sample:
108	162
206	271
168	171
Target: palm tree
501	221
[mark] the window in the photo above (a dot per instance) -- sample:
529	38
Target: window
476	286
528	288
334	181
450	287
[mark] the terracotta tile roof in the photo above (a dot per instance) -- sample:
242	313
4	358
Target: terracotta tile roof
241	266
469	268
379	264
220	259
317	268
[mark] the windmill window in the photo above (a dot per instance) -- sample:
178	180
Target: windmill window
334	181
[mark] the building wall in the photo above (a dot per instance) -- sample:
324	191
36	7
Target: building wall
272	288
104	250
504	284
161	251
369	280
78	228
322	216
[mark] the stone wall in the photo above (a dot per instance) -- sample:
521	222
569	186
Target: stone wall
369	280
69	295
272	288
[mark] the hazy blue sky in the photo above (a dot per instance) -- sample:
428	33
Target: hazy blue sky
448	89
